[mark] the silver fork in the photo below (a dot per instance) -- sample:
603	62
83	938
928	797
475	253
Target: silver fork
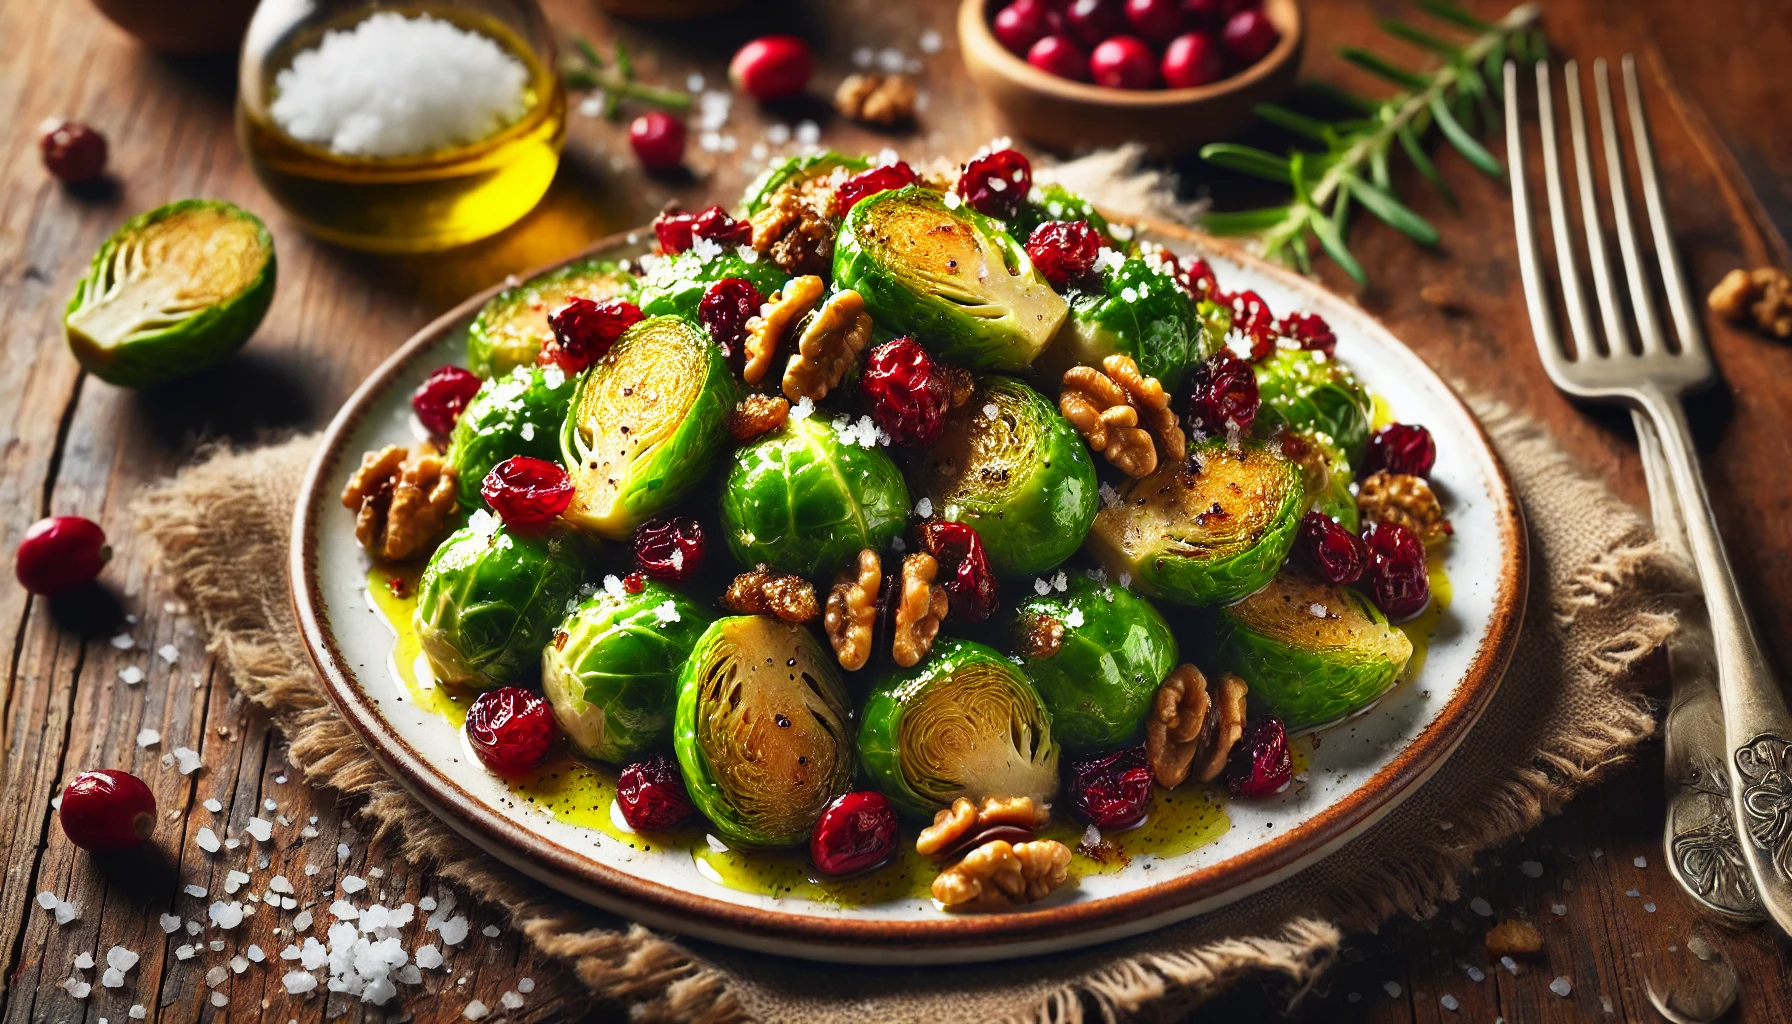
1651	377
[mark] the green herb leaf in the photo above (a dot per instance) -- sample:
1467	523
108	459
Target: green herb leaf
1422	160
1298	123
1244	222
1462	140
1392	211
1418	36
1378	65
1450	12
1333	242
1246	159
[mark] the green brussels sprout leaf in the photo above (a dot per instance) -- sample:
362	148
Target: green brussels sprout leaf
520	413
1052	201
796	174
1137	312
1325	474
513	324
676	284
1305	390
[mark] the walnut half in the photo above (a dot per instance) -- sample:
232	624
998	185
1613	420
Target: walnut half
1405	499
829	346
876	99
920	607
1193	726
776	318
1761	298
964	820
401	500
1119	411
998	875
766	591
851	618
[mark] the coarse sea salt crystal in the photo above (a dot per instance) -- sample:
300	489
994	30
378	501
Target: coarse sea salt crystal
207	840
169	653
1531	868
490	931
475	1010
187	760
511	1001
225	915
170	923
298	982
352	884
526	986
84	961
131	675
454	930
123	642
1481	906
148	737
1561	987
429	957
121	958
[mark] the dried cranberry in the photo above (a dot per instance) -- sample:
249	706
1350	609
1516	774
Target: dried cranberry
868	183
907	395
1260	765
72	152
1309	330
1064	251
1091	21
1123	62
1249	36
511	729
1197	279
726	307
1021	24
1399	578
1224	392
677	232
60	553
658	140
996	184
1252	318
1402	448
1059	56
106	810
527	492
670	548
1192	59
584	329
855	833
772	67
1336	554
1113	790
1157	20
634	582
438	401
970	584
652	795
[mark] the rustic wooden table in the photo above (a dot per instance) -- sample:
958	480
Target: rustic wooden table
1715	79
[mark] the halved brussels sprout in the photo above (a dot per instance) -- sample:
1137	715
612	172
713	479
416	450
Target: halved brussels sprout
611	670
1305	390
791	173
1207	531
1136	312
763	730
965	722
1096	653
676	284
489	598
513	324
1311	652
805	500
1052	201
520	413
1325	474
646	422
172	292
951	276
1022	477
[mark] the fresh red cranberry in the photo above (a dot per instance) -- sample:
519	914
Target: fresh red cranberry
1113	790
527	493
677	232
1193	59
1224	393
772	67
1212	14
1249	37
905	392
652	795
1310	330
1091	21
970	584
1059	56
1123	62
1197	279
658	140
868	183
1252	318
1159	21
1334	553
438	401
726	307
1021	24
511	729
670	548
857	832
1064	251
60	553
1402	448
584	329
1399	578
1260	765
996	184
106	810
72	152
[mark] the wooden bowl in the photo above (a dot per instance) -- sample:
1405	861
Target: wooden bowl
1071	115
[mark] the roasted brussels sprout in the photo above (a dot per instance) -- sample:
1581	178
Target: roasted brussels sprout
172	292
520	413
1305	390
951	276
791	173
1096	652
490	596
1010	466
513	324
805	499
1207	531
963	723
1052	201
763	730
676	283
646	422
1312	653
611	670
1138	312
1325	474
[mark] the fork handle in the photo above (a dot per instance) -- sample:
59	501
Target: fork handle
1757	728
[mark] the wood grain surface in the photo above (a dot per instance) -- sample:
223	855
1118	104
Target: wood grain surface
1715	79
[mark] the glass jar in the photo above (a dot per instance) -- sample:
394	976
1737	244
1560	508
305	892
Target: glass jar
372	181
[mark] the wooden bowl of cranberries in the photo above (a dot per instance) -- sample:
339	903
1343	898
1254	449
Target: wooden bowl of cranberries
1171	74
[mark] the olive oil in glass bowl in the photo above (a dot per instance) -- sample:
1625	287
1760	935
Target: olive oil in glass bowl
401	128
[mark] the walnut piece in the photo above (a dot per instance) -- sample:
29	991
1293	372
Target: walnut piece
1513	938
919	610
1193	726
998	875
1041	636
876	99
795	229
1761	297
401	500
961	382
830	344
1405	499
964	819
851	618
1098	409
780	312
766	591
757	415
1152	402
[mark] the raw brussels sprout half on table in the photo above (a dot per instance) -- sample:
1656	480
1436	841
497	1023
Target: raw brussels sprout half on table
513	324
1305	390
1138	312
520	413
675	284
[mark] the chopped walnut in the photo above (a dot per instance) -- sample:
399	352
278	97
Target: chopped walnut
1152	402
795	229
830	344
1041	636
767	330
918	611
401	500
1193	726
1225	725
757	415
1098	409
851	618
998	875
961	382
766	591
964	820
876	99
1761	297
1405	499
1513	938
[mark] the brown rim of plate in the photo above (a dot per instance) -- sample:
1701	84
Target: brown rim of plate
1409	767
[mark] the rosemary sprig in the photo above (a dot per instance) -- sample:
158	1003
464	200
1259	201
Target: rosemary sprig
586	69
1352	166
